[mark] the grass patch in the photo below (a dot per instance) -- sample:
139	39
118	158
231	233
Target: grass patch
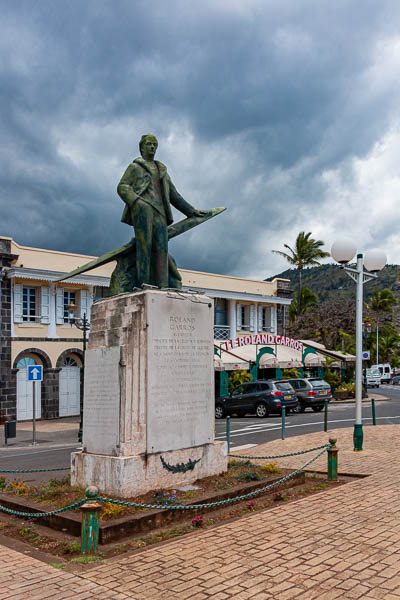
84	560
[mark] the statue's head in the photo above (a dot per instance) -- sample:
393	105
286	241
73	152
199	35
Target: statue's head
148	146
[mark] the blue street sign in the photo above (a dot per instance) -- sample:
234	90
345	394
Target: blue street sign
35	373
366	355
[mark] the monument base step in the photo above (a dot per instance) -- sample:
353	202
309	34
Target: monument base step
128	476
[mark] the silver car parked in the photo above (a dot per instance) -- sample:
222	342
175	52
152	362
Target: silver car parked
311	392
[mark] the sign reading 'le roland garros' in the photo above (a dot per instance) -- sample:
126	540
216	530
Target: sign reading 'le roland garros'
266	339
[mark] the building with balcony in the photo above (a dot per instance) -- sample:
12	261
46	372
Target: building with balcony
35	326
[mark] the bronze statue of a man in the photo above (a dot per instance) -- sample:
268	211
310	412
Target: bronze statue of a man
148	192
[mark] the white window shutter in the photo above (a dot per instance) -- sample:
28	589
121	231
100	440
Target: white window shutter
268	315
84	306
260	317
17	303
239	323
273	319
60	306
252	321
44	305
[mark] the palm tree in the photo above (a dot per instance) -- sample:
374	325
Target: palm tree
306	253
381	302
389	346
308	299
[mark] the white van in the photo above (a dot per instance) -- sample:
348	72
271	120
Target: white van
373	377
386	372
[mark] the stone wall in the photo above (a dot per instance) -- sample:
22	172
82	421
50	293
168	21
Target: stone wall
50	393
8	382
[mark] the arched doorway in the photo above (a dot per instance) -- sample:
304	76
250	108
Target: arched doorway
25	389
70	385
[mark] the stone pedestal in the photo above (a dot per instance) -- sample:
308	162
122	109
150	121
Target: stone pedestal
149	393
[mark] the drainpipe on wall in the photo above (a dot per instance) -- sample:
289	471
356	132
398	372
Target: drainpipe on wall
1	290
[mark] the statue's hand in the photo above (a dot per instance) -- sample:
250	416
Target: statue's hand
199	213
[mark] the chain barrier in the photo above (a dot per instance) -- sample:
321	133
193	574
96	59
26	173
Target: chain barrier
220	502
33	470
50	513
281	455
79	503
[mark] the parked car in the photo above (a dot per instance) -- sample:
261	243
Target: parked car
261	398
311	392
396	380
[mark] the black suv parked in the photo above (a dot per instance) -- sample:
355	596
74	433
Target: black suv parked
259	397
311	392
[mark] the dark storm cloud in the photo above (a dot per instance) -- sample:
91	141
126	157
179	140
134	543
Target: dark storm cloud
251	101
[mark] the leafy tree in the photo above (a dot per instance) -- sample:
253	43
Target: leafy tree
306	253
326	323
290	373
308	299
389	345
348	342
332	378
238	377
381	303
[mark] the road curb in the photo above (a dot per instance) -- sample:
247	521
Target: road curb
353	401
42	446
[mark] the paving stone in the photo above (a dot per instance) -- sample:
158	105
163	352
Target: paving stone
341	543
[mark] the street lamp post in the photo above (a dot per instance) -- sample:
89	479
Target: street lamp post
84	325
377	343
366	330
343	251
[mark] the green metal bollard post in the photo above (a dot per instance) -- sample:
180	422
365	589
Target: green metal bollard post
373	411
90	521
332	460
326	415
228	432
358	437
283	421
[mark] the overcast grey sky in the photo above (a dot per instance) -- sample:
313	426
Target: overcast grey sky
285	112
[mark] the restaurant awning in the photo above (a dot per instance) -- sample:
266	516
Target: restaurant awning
284	358
335	354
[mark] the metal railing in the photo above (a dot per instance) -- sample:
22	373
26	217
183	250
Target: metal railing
222	332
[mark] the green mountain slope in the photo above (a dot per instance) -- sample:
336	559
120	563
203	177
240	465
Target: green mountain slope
330	281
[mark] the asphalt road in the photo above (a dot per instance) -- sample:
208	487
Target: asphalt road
250	431
36	458
247	432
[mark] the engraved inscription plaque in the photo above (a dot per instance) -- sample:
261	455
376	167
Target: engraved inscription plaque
180	393
101	401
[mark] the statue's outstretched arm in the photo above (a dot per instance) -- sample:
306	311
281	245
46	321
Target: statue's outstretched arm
180	203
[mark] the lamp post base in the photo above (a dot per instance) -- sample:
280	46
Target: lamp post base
358	438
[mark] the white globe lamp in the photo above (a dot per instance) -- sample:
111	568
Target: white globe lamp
374	260
343	250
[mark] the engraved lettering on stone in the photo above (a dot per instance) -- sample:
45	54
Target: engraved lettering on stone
101	418
181	379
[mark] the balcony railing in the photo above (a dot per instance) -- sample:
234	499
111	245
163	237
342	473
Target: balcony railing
221	332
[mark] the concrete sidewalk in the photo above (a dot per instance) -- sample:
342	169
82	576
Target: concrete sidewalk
53	433
342	543
371	394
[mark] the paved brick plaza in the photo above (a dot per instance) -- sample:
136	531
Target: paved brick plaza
343	543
